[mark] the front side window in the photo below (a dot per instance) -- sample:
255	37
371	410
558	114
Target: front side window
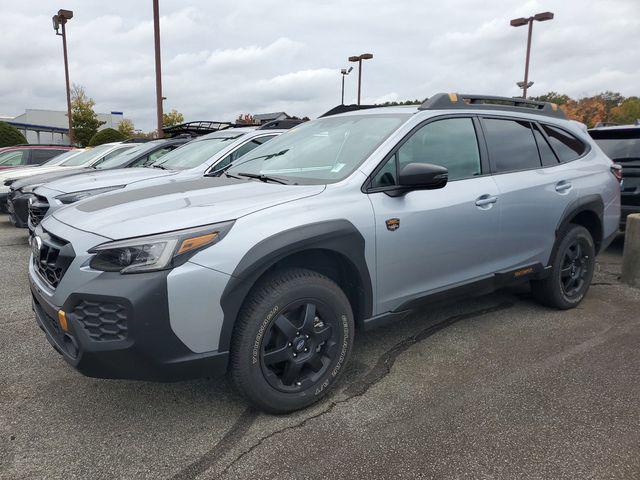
511	145
194	154
40	156
450	143
242	150
567	146
87	156
323	151
13	158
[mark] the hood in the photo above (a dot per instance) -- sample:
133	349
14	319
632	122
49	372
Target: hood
26	172
175	205
105	178
45	177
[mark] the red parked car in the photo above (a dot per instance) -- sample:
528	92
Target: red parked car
29	155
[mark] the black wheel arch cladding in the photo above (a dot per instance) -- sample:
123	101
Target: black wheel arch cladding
335	236
590	205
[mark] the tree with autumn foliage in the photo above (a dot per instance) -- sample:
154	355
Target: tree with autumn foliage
605	107
246	119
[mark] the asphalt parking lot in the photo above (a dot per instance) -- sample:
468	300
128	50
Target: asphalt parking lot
495	387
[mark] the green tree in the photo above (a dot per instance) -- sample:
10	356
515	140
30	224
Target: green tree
107	135
172	118
553	97
126	128
10	135
627	112
84	120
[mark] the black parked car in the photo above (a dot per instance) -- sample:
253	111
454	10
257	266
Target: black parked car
621	143
22	190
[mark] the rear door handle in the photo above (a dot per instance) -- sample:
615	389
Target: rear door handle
486	200
563	186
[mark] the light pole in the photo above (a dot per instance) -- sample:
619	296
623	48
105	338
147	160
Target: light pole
344	72
359	58
60	20
156	39
519	22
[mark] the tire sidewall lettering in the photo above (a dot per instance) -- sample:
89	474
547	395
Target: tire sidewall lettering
257	344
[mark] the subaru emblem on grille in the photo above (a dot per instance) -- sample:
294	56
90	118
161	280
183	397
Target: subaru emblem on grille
36	246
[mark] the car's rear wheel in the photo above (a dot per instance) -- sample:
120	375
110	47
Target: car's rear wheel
292	340
572	269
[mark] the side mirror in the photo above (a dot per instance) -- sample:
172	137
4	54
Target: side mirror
422	176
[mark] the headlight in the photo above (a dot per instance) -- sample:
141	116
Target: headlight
30	188
156	252
73	197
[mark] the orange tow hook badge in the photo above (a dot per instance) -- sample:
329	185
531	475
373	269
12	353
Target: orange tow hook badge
62	319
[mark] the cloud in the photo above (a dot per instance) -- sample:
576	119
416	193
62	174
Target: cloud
221	59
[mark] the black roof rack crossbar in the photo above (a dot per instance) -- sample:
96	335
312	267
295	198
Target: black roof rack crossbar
196	128
452	101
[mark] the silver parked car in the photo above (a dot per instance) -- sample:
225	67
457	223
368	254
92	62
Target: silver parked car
347	221
204	154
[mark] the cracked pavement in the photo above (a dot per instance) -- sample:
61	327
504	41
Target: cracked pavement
492	387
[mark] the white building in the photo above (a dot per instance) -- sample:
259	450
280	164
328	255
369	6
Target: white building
52	126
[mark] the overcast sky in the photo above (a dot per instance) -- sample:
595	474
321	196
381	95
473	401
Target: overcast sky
223	58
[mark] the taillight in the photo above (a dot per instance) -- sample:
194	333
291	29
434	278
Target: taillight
616	169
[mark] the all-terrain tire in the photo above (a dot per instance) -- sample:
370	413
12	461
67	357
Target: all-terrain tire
259	327
552	291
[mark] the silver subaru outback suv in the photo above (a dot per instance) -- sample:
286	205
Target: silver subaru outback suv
343	223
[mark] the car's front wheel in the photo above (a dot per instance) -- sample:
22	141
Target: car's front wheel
291	341
572	267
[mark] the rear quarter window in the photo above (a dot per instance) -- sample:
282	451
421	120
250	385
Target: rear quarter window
566	146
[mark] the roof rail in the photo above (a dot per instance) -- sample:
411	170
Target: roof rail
347	108
285	123
452	101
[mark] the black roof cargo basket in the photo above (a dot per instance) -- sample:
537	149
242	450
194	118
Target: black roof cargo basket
196	128
284	124
452	101
346	108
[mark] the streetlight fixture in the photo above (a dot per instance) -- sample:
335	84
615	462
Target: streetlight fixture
156	39
359	58
344	72
60	20
520	22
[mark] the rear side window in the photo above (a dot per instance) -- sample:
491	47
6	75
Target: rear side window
511	145
450	143
565	145
547	156
41	155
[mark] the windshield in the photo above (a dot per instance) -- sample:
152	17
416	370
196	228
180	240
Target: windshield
326	150
193	154
63	157
619	145
125	156
87	156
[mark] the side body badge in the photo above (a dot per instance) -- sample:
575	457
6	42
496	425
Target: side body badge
393	224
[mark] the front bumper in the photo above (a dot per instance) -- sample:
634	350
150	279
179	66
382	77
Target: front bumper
125	334
3	202
18	208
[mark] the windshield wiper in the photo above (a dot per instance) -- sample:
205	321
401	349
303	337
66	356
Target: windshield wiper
159	166
262	177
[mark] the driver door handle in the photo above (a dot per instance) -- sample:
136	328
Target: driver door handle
486	200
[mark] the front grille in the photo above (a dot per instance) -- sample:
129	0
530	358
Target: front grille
102	321
53	258
37	210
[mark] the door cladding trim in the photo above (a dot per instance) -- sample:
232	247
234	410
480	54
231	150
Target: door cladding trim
338	236
589	203
472	289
